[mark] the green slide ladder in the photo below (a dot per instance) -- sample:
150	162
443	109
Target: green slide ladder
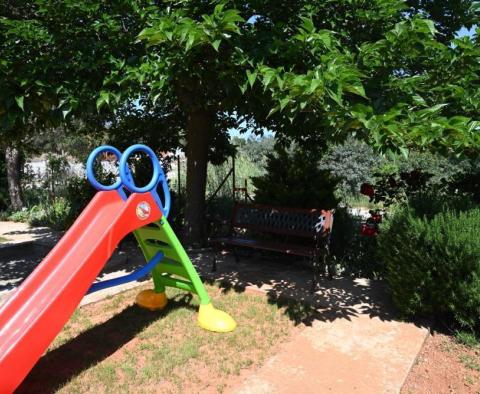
176	270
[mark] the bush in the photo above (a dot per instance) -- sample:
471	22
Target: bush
293	179
55	215
354	254
433	263
353	163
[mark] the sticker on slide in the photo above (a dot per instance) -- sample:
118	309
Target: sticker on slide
143	210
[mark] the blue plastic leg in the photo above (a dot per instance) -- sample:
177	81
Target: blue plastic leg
135	275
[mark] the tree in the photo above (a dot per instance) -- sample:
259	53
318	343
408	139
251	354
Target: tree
313	71
54	56
293	179
205	57
352	162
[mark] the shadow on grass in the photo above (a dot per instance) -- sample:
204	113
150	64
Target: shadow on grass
60	365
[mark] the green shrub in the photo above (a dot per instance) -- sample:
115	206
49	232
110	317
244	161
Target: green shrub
354	254
55	215
293	179
466	338
353	163
433	263
19	216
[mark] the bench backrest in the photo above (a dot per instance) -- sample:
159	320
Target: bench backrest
280	220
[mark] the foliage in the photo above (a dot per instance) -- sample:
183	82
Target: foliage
433	263
467	338
46	90
353	163
254	148
293	179
403	178
55	215
353	253
314	72
466	182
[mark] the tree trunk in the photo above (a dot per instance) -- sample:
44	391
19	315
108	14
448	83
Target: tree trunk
199	131
13	164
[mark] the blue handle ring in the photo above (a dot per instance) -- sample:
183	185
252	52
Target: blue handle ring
124	171
166	194
91	174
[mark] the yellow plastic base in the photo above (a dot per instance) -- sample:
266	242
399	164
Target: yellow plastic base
148	299
212	319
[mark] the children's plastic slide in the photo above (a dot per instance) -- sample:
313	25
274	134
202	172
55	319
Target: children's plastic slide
35	313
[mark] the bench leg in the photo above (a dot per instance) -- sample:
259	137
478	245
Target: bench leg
235	254
328	263
214	262
316	273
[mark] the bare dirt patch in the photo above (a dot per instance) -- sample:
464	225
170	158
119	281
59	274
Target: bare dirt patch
444	366
114	346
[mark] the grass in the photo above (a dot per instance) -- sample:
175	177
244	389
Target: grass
466	338
470	362
114	346
3	239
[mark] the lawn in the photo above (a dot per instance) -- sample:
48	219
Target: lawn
114	346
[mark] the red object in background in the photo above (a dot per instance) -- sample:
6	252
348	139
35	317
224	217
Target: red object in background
371	226
369	230
367	189
33	315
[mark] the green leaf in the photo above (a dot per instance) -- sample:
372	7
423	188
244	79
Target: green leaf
419	100
404	151
307	24
284	102
190	41
218	8
243	87
272	111
216	44
232	16
314	84
103	99
19	100
356	89
251	76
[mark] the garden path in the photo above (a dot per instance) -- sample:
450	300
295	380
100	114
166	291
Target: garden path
351	341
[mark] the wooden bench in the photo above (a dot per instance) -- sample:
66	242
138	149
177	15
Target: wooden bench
292	231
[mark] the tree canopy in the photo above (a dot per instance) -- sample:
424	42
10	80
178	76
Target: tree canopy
389	72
